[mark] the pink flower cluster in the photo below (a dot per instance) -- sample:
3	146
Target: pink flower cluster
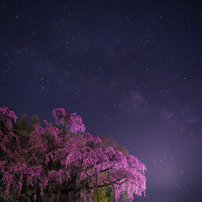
52	163
72	122
7	116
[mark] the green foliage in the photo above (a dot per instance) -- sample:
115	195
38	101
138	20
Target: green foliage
21	124
33	120
105	194
124	197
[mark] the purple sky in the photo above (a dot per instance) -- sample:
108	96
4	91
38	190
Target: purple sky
130	69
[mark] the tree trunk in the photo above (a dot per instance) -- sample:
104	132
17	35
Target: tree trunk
96	185
74	196
113	193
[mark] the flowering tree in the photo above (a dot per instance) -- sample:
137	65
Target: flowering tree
53	164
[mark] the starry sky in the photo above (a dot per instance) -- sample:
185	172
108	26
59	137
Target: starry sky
130	69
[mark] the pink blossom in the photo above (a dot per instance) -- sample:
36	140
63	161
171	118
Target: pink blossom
52	162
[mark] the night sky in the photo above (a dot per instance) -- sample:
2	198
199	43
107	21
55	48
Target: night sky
130	69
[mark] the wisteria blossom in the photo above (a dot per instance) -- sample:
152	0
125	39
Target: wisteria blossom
53	164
